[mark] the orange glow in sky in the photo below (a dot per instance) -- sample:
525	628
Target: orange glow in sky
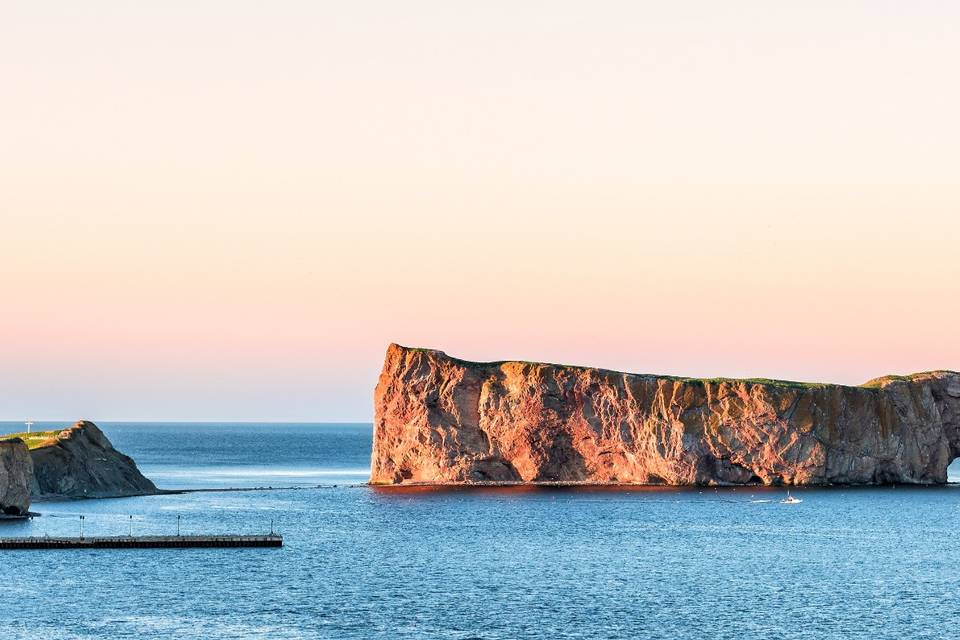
227	210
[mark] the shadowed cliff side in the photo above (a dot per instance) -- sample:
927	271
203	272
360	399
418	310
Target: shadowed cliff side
16	471
441	420
80	462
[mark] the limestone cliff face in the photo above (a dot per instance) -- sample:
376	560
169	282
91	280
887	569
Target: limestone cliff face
81	463
441	420
16	470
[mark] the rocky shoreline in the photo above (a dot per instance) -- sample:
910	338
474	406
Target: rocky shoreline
74	463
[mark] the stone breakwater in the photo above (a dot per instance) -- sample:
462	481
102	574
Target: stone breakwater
441	420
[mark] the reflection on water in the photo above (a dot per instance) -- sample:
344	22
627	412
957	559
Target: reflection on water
246	476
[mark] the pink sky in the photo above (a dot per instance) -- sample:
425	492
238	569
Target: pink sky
227	210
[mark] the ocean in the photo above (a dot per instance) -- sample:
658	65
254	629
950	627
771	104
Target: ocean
360	562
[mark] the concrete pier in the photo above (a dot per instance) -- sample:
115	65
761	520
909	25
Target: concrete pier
141	542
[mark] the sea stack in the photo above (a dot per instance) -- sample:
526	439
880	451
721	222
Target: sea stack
440	420
16	471
80	462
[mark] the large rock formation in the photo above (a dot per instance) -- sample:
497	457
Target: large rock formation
16	470
440	420
79	462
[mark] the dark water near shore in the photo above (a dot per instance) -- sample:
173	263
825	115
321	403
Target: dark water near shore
507	563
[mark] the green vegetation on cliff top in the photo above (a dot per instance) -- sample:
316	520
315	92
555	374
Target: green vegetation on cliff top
35	439
876	383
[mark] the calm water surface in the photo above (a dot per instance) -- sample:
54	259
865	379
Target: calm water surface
365	563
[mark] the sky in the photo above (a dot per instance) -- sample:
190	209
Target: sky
226	210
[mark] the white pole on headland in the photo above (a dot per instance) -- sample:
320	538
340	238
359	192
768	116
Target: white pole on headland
29	424
178	525
81	527
131	527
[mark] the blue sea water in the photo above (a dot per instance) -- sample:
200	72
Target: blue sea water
360	562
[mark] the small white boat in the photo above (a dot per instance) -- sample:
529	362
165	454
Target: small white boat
790	499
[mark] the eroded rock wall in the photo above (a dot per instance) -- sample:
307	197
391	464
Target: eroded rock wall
16	471
447	421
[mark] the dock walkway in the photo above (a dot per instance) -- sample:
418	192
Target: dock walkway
141	542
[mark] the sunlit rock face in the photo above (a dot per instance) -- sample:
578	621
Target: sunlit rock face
441	420
16	470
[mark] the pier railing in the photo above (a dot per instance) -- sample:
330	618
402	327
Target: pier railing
141	542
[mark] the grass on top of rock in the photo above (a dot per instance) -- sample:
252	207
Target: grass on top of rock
765	381
35	439
877	383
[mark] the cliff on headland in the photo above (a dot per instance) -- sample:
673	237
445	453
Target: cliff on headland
80	462
16	470
441	420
